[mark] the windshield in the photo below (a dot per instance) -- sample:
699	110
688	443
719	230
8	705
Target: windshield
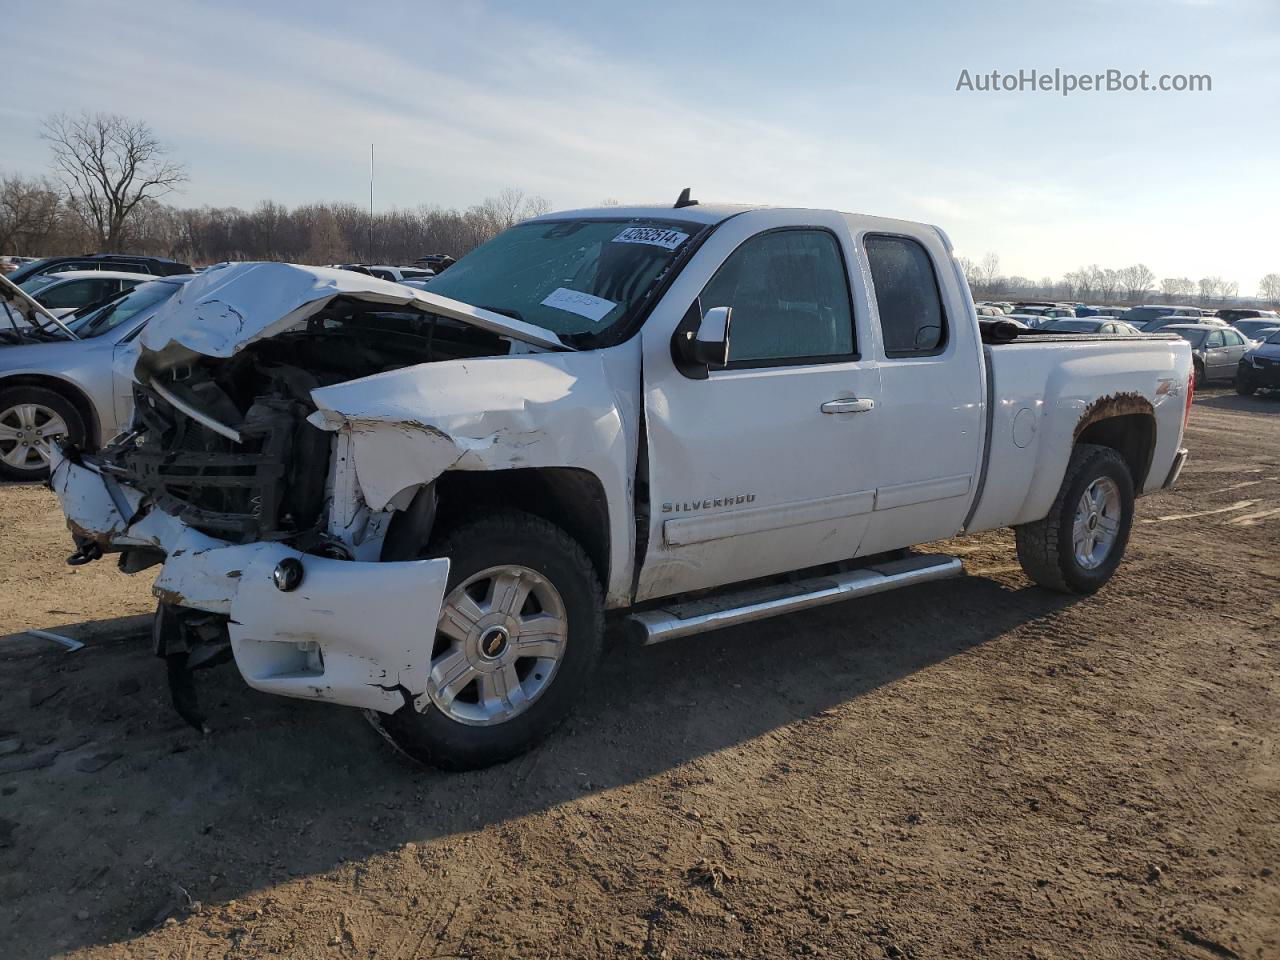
36	284
1274	338
1073	326
573	277
118	311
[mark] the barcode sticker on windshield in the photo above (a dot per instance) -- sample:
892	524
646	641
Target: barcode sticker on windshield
583	304
654	236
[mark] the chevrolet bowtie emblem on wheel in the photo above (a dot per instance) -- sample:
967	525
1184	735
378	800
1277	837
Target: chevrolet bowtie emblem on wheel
736	500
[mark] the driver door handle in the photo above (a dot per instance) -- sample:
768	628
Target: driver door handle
848	405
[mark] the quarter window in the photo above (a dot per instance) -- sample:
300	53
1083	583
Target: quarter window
912	321
790	298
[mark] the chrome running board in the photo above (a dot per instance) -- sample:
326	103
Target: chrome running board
728	610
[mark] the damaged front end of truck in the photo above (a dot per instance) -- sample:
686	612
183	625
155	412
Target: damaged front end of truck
291	424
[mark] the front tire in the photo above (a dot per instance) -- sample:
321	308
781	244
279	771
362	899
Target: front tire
1244	386
519	636
1077	547
30	419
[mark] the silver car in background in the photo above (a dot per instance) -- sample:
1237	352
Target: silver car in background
57	377
1216	349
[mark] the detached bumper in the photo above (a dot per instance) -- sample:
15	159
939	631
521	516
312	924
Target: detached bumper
353	633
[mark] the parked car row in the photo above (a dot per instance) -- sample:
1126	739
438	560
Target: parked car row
1224	345
57	376
387	271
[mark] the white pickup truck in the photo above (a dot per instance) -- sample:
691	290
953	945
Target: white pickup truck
425	502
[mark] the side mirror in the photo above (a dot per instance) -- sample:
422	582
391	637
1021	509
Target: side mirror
711	343
701	342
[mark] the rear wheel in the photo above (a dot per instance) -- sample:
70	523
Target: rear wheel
1200	376
31	418
519	634
1078	546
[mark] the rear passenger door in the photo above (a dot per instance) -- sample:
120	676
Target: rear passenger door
931	416
1216	361
1234	348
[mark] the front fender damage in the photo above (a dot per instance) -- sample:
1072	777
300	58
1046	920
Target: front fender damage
493	413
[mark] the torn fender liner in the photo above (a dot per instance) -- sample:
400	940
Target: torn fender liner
232	305
352	633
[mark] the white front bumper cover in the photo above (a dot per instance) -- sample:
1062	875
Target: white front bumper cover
353	633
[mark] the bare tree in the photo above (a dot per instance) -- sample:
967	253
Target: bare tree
1209	287
29	213
1175	288
108	165
1137	280
1269	288
325	243
989	271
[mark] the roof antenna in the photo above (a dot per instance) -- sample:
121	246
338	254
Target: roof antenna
684	201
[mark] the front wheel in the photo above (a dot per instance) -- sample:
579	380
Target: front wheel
519	634
1244	386
31	419
1079	545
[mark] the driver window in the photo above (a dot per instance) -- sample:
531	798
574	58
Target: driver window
790	299
912	321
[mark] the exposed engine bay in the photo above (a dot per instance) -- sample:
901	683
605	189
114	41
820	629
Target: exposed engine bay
269	484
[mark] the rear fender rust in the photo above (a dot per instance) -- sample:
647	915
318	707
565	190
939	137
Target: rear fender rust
1112	405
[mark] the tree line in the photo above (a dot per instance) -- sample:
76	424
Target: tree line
1107	285
110	173
37	219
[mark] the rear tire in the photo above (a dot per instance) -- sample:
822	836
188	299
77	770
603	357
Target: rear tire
1077	547
1200	377
512	686
29	418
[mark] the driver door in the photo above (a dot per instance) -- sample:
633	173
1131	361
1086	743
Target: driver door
766	465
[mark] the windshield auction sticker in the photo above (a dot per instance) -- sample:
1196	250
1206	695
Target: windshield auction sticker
583	304
654	236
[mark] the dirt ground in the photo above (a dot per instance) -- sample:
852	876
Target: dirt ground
975	768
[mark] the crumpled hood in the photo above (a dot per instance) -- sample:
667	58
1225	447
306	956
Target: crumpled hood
231	305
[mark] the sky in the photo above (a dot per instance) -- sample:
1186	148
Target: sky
851	105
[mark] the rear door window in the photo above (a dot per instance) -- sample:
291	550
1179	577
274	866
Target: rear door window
912	321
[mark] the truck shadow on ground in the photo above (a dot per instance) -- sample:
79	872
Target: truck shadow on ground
287	789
